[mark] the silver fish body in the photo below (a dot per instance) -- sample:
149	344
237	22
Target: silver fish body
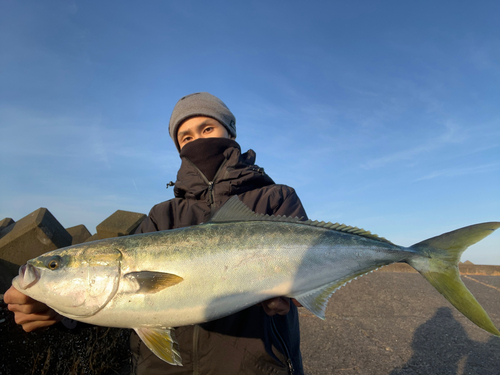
222	276
154	281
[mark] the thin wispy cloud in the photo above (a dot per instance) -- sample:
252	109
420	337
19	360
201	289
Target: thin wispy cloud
483	53
453	172
34	136
453	134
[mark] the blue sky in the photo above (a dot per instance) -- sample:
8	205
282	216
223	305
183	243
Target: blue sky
382	115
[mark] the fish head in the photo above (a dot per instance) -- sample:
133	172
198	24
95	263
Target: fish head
76	281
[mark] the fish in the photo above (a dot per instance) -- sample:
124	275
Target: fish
154	282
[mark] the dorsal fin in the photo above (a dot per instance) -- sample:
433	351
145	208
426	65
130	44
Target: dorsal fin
235	210
347	229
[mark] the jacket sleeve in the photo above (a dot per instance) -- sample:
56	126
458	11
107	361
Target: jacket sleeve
159	218
274	200
290	204
147	225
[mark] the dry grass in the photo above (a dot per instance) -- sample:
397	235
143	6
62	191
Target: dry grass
86	350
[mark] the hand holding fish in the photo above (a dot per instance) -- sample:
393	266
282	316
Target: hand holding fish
29	313
277	305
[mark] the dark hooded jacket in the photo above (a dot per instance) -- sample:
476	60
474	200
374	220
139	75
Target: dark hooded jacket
250	341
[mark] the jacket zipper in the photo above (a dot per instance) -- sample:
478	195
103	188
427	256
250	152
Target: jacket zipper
211	194
211	197
211	201
287	353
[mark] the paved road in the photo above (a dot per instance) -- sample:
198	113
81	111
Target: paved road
398	324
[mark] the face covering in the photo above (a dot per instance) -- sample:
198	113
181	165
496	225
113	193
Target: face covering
207	154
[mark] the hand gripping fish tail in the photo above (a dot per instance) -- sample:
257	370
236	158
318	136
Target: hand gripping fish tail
439	265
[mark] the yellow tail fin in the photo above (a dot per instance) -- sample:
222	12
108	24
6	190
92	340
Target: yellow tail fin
439	265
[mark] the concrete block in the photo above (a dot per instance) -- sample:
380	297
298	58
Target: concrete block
32	236
28	238
94	237
5	223
80	234
121	223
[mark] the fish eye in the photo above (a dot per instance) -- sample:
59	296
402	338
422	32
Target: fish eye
53	263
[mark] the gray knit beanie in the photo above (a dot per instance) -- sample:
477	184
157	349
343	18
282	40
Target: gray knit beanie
200	104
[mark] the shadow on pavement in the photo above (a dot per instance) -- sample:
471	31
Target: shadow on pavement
441	346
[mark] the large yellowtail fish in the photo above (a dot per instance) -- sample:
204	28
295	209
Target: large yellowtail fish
152	282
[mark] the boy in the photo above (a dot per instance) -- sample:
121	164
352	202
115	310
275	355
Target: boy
262	339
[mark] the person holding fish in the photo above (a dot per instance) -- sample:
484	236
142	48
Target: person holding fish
261	339
214	281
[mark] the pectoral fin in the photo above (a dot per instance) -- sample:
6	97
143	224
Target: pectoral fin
161	342
148	281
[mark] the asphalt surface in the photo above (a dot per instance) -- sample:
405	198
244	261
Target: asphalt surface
398	324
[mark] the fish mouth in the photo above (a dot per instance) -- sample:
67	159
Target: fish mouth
28	276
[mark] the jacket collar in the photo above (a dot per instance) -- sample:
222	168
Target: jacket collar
237	174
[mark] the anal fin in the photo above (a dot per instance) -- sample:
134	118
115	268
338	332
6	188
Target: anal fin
162	342
316	300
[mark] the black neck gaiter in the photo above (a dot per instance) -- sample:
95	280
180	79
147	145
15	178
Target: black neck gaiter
207	154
